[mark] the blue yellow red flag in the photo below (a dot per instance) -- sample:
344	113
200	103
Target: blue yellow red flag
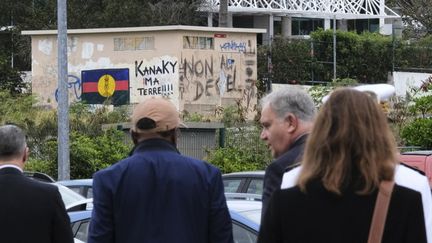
102	85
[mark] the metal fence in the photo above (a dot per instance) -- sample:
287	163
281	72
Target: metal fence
198	138
194	140
311	61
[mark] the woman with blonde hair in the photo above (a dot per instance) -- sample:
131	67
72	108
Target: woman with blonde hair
349	152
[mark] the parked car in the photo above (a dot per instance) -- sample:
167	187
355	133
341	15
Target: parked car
73	201
421	160
81	186
245	215
39	176
244	182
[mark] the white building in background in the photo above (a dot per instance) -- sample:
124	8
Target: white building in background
297	18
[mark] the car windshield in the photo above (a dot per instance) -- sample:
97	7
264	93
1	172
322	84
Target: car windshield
254	215
69	197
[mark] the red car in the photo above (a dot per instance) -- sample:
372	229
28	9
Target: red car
421	160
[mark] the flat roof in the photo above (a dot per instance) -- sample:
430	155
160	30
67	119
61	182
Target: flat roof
147	29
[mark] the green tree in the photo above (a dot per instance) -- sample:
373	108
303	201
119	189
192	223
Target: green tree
415	12
10	78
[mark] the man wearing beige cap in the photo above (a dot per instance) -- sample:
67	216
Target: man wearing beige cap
157	194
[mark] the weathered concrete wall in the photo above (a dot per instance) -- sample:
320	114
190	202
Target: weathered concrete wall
404	81
198	70
220	77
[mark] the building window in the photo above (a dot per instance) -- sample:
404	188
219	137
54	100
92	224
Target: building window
198	42
303	26
133	43
362	25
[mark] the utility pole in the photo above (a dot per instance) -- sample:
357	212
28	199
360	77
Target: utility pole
63	102
334	47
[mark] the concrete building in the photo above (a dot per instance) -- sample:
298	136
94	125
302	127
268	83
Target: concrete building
198	68
296	19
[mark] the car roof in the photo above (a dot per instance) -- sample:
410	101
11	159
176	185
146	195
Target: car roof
418	152
257	173
244	205
244	220
77	182
242	196
249	209
79	215
39	176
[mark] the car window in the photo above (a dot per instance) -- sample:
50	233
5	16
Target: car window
75	189
242	234
90	192
255	186
231	185
80	230
69	196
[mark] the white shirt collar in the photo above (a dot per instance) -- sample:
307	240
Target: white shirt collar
11	166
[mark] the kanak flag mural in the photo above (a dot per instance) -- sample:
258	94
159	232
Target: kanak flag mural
102	84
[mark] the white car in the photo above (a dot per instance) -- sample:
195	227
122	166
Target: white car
245	215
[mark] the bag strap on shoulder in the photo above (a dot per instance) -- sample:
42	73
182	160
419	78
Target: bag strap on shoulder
380	212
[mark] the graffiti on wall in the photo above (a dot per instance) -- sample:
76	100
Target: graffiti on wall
233	46
74	86
207	77
237	46
196	77
156	77
250	91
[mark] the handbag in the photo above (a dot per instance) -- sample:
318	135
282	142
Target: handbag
380	212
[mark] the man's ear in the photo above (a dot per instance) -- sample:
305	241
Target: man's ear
292	121
26	155
175	135
134	137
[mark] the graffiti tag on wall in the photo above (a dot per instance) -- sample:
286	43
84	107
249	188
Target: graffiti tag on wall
207	77
156	77
74	85
233	46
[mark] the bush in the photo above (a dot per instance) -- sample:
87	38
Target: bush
366	57
91	148
418	133
88	154
37	165
233	159
290	61
244	151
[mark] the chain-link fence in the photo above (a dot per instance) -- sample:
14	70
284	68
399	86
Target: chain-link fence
368	58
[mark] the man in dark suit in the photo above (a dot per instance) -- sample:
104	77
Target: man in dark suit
30	211
156	194
286	117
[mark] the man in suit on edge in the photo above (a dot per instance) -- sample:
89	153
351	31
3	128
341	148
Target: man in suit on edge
30	211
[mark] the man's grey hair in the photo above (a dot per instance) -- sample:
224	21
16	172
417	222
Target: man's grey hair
12	141
293	100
